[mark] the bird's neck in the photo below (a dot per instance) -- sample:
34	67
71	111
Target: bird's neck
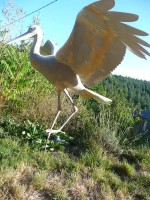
35	49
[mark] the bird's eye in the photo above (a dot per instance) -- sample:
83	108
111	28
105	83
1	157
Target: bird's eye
31	29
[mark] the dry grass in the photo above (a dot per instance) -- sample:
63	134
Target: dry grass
63	176
39	185
38	107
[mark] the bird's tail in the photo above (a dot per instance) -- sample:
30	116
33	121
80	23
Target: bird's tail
90	94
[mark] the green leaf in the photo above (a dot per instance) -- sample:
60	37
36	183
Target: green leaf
3	62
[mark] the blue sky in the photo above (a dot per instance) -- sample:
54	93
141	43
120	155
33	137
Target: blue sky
57	21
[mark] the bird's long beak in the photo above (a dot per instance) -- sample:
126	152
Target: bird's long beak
24	36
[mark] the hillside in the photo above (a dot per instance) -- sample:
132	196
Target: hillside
136	91
99	156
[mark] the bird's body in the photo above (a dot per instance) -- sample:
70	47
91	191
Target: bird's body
52	68
96	46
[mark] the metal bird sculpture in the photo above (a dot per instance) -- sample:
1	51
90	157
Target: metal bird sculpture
96	46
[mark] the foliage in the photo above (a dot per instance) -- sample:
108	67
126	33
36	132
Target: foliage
137	92
31	133
15	70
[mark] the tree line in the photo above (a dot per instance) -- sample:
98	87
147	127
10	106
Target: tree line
137	92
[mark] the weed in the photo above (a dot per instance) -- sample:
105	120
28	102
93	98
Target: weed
123	169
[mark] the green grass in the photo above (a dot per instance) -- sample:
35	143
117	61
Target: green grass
29	172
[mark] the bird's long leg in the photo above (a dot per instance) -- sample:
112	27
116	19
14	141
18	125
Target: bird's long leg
49	131
74	108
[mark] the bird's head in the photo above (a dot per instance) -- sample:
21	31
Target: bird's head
32	31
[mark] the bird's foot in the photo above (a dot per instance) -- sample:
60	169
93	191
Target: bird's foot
50	131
